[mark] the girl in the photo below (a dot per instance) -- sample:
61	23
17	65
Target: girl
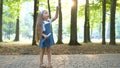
44	34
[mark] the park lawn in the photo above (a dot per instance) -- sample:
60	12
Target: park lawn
18	48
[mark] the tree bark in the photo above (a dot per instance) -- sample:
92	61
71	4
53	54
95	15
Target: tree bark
1	9
73	31
103	21
87	25
60	25
36	7
17	30
112	22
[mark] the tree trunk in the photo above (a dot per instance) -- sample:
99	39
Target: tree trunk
48	1
87	25
49	8
1	9
73	31
103	21
36	7
112	22
88	28
17	30
60	25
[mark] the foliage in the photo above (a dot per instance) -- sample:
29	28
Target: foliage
11	10
13	6
8	29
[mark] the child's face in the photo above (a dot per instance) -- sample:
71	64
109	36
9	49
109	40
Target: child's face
45	15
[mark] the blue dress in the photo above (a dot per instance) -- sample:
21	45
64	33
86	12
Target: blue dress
46	30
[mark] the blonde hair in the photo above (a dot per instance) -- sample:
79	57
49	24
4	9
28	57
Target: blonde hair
39	29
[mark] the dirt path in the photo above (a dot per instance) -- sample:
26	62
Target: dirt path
62	61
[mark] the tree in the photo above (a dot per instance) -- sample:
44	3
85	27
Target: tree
87	25
36	7
112	22
103	20
8	32
48	1
60	25
17	22
17	30
12	15
1	9
73	31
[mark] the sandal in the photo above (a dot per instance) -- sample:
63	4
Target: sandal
49	66
42	66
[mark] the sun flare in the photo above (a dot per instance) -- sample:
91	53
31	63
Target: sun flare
80	2
71	3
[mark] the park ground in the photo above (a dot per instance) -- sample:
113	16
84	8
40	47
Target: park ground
20	48
62	61
90	55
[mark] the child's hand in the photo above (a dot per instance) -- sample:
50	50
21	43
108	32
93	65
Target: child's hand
57	7
45	36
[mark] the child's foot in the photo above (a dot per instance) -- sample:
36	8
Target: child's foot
49	66
42	66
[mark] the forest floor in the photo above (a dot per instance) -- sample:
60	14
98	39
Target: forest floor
19	48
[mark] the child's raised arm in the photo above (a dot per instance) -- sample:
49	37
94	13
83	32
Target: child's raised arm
56	15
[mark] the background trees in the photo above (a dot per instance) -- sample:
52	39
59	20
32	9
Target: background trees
17	20
60	24
73	30
11	18
103	20
36	8
1	10
92	20
48	1
87	23
112	22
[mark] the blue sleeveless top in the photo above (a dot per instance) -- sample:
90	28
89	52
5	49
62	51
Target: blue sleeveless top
48	31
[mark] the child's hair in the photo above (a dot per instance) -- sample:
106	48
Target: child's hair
40	18
38	31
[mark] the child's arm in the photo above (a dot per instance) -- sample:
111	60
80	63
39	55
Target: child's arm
56	15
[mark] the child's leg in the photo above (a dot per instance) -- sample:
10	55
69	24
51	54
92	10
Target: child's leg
42	51
49	55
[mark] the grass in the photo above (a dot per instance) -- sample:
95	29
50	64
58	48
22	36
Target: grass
20	48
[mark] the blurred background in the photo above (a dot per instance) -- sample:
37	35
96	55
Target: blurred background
23	11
